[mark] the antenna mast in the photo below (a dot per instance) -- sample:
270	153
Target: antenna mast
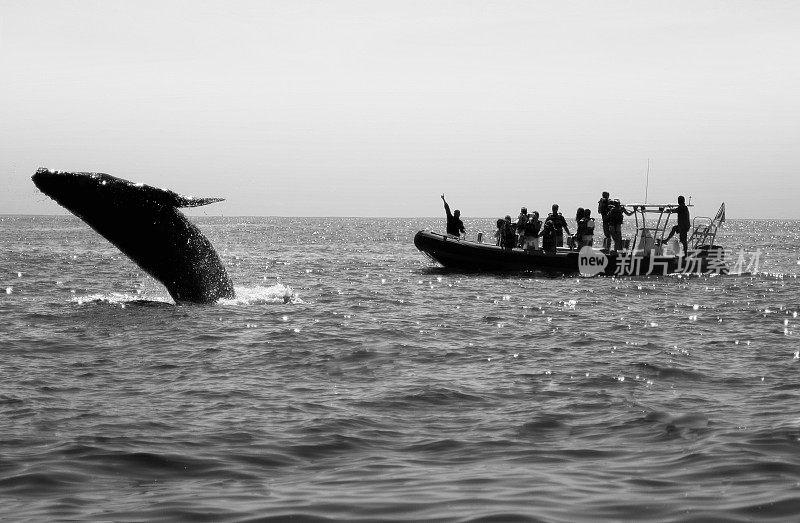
647	181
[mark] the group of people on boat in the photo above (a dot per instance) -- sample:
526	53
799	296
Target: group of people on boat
613	214
529	229
526	232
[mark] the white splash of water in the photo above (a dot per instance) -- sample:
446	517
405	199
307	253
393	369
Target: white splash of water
117	298
244	296
258	295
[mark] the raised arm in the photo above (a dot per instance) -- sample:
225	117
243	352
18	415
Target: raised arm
446	207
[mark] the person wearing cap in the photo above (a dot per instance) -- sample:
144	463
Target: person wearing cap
455	227
522	219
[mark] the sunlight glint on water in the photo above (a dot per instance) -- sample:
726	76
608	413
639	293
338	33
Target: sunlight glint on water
352	379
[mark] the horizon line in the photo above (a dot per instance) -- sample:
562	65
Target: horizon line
337	216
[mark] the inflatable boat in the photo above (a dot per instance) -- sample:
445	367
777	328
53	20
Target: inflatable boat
647	252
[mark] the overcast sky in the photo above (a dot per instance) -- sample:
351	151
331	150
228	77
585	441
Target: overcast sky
374	108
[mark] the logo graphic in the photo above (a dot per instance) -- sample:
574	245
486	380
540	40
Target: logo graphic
591	262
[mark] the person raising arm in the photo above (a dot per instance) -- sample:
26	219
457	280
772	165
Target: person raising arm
455	227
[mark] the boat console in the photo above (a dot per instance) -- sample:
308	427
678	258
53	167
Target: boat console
653	224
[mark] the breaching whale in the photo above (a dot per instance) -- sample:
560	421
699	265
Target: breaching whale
144	223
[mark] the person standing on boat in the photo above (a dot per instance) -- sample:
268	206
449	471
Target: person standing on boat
509	233
603	206
684	224
616	214
560	225
499	233
522	219
588	229
579	224
585	234
532	227
580	232
454	224
549	236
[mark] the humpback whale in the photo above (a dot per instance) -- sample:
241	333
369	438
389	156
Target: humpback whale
145	223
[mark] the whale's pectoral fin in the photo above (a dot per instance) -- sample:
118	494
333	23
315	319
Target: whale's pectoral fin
188	201
173	199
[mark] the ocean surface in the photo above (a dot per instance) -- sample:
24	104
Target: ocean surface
352	379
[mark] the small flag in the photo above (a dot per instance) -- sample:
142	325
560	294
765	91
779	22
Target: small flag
720	217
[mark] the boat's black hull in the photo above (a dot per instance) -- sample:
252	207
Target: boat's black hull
463	255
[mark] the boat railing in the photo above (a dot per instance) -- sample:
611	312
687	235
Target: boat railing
652	224
704	232
652	221
645	241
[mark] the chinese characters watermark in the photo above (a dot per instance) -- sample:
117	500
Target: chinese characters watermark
592	262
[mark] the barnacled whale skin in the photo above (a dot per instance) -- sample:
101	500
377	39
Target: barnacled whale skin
144	223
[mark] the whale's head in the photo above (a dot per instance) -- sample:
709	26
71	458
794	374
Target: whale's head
77	190
80	190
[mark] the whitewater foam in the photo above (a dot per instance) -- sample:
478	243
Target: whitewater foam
259	295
